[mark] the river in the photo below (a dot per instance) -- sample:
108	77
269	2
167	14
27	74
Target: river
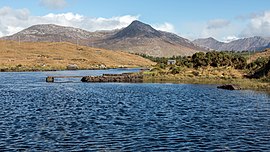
73	116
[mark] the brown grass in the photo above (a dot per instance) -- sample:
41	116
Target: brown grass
56	56
207	75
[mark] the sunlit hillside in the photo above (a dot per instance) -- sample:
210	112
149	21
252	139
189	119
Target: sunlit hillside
49	56
264	54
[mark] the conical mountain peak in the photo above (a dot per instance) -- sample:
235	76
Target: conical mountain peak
138	29
139	24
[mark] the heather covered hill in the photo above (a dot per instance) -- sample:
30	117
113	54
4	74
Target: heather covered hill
15	56
263	54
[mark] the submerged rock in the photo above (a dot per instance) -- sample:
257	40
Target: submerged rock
50	79
229	87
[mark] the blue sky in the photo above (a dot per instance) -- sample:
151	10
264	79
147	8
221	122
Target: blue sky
222	19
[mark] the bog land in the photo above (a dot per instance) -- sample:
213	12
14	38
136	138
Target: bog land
44	56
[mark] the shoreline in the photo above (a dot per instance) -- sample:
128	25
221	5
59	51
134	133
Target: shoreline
245	84
61	69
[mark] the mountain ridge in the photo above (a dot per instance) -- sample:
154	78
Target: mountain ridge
138	37
141	38
256	43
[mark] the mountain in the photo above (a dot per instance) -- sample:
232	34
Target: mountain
209	43
249	44
138	37
56	33
137	29
246	44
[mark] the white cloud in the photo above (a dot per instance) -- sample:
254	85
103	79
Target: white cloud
259	25
65	16
14	20
165	27
53	4
220	29
93	24
249	25
217	23
229	38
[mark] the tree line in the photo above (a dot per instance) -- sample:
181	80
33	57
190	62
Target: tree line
236	60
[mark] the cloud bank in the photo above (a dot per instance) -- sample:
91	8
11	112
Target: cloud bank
53	4
259	25
165	27
256	24
217	23
15	20
248	25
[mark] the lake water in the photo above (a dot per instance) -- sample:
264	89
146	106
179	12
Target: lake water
72	116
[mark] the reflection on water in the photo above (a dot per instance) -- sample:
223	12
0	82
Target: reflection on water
40	116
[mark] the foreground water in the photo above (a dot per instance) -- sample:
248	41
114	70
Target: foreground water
74	116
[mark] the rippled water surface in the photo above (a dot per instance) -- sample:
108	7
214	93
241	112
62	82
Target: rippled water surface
75	116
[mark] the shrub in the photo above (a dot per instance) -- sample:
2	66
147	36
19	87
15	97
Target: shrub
257	64
176	69
195	73
162	65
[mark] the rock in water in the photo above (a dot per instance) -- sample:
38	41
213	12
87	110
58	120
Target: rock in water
229	87
50	79
125	77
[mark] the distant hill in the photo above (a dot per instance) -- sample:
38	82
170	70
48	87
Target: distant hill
246	44
138	37
56	33
58	55
210	43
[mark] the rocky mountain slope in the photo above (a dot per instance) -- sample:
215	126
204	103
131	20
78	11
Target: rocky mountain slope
246	44
210	43
136	38
56	33
142	38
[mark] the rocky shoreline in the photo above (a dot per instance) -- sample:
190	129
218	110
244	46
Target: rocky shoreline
124	77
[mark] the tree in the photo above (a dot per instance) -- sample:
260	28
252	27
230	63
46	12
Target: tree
199	59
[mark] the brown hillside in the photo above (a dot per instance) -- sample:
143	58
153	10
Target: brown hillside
49	56
264	54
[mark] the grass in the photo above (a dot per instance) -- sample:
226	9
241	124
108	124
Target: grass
208	75
243	83
43	56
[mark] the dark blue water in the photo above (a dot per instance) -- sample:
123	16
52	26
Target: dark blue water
74	116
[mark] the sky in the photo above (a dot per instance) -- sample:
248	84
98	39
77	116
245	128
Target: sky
224	20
